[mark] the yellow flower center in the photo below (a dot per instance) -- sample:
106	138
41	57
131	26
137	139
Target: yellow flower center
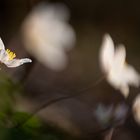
11	55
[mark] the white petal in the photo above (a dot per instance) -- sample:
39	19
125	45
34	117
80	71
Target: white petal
132	76
3	56
17	62
54	58
116	78
63	36
119	57
2	47
136	108
107	53
125	90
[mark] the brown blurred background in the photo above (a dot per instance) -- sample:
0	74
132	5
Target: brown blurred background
91	19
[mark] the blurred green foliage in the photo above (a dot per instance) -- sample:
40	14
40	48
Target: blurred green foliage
31	130
16	125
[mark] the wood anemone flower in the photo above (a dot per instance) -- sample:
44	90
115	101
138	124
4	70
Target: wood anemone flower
8	58
118	73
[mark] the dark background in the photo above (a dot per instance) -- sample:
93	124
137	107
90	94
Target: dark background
91	19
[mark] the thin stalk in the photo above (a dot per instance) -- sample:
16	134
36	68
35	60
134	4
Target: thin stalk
109	135
53	101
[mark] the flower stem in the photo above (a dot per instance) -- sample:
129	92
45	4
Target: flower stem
46	104
109	134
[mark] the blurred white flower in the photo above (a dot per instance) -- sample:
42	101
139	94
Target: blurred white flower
136	108
119	74
103	114
8	58
48	36
112	115
120	112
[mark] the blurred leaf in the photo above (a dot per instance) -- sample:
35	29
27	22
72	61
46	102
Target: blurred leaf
8	89
21	117
14	125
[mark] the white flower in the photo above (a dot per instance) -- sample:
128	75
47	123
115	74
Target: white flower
118	73
8	58
48	36
111	115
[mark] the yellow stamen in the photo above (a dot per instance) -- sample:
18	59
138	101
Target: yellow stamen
10	54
